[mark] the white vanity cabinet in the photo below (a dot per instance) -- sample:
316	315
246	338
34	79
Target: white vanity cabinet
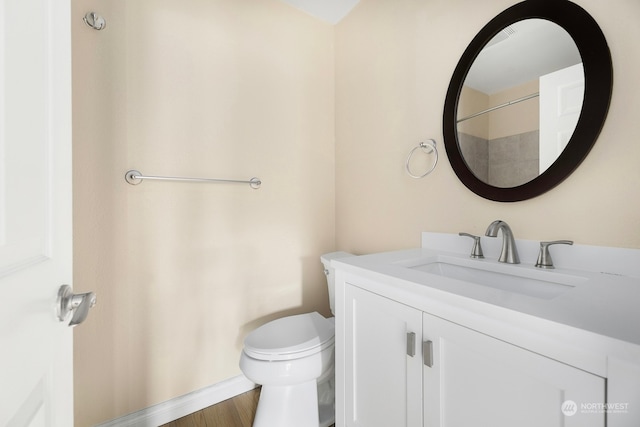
477	380
419	343
404	367
382	383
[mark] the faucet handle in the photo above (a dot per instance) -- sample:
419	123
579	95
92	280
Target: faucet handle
544	257
476	251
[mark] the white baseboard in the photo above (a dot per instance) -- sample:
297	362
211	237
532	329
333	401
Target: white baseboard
173	409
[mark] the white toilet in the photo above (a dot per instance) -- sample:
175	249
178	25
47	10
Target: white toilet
292	358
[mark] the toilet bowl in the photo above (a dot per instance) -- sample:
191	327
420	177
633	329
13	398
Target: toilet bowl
293	359
291	367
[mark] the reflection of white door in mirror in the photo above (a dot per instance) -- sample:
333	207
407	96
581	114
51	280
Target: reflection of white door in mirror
561	95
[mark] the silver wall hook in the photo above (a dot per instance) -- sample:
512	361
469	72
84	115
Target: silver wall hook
95	21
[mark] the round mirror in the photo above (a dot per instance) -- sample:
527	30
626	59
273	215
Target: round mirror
527	100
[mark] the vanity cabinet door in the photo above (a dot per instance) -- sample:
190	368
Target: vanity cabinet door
383	384
476	380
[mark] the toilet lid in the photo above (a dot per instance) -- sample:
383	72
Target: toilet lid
288	335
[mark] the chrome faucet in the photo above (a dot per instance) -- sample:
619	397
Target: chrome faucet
509	252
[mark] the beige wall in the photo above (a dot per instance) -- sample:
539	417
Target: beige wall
233	88
394	61
517	118
510	120
471	102
221	89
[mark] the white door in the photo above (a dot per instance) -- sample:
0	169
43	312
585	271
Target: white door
35	212
561	95
383	384
476	380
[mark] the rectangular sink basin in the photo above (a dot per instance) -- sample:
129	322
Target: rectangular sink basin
510	278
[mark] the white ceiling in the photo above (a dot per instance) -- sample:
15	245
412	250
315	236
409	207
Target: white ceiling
522	52
330	11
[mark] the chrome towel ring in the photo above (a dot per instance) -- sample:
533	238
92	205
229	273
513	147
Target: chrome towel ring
428	147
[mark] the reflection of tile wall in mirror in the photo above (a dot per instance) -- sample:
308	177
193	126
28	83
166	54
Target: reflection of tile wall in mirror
502	162
513	160
475	151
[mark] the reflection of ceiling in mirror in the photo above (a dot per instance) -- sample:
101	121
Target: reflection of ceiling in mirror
520	53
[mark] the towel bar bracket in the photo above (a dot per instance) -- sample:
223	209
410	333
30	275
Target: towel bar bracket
133	177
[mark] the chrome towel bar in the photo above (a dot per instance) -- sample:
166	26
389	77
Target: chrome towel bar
135	177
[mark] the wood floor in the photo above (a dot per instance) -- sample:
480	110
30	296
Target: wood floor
236	412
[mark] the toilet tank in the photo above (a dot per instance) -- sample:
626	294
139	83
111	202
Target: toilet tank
329	272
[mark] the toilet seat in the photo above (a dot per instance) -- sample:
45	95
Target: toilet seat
291	337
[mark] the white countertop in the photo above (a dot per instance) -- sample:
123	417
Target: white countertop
600	311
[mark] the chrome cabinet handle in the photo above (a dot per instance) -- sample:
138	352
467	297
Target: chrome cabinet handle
78	304
411	344
427	353
544	257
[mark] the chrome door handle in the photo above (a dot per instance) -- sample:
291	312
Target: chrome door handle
78	304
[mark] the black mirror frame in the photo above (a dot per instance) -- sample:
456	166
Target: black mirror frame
598	70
